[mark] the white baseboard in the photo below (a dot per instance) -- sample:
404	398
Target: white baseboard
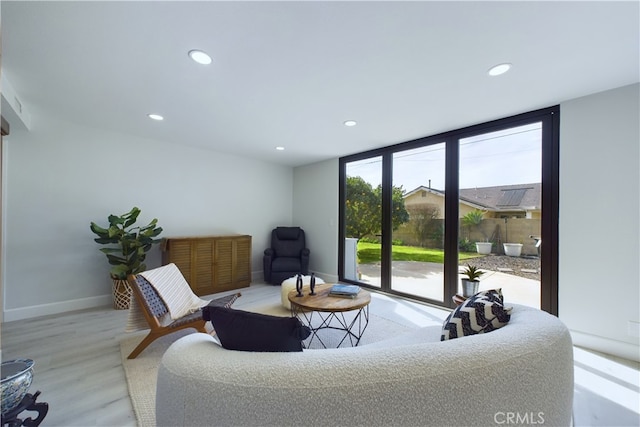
56	307
257	276
606	345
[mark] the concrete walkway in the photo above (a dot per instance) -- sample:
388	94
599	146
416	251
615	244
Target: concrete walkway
426	279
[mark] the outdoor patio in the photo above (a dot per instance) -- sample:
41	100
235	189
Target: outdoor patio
426	279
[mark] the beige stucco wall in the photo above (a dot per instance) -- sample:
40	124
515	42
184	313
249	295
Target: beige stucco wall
511	230
498	230
511	226
422	198
427	198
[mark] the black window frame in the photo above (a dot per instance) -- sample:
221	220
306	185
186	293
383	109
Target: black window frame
550	118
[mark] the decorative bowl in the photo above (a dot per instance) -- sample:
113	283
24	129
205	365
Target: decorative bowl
17	376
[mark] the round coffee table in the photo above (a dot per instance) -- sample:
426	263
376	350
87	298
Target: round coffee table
321	311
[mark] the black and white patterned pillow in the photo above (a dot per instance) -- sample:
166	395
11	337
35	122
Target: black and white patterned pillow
483	312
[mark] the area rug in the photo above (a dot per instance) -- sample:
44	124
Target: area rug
141	372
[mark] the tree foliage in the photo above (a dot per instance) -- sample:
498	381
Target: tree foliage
363	213
473	219
424	223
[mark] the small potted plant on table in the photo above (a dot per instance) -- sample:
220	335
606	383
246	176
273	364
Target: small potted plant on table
470	283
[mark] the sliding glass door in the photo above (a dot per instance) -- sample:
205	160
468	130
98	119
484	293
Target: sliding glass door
500	209
417	251
363	221
413	214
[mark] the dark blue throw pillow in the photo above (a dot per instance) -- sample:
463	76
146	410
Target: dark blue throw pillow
246	331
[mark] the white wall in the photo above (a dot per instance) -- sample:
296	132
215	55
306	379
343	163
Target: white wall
61	176
599	203
56	184
315	209
599	222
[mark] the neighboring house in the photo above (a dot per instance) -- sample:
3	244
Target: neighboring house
503	201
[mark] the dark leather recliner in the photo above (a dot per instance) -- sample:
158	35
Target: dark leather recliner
287	256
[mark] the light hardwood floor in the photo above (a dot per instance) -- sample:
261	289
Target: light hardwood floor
78	365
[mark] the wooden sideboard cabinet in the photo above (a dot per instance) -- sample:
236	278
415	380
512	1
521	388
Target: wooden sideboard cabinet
210	264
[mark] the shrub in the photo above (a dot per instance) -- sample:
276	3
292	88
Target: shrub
465	245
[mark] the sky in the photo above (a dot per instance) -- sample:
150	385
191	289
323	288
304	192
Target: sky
512	156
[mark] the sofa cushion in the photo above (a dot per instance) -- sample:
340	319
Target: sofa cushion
288	233
246	331
483	312
286	264
288	242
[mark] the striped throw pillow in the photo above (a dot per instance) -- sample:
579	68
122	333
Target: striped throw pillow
481	313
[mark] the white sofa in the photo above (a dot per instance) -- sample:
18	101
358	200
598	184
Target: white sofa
519	374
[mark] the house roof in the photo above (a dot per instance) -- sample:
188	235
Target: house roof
525	197
505	197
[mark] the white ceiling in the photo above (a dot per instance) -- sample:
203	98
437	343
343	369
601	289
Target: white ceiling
290	73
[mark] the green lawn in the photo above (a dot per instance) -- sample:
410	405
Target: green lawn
370	252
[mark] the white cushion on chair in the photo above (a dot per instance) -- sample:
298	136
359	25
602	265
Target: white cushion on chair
174	290
289	285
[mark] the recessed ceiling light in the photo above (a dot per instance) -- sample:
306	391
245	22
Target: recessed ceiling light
200	57
350	123
279	148
499	69
155	117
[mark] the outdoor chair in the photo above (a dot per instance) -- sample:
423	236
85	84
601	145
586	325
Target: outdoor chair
155	312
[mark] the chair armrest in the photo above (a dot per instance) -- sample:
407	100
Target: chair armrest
266	264
304	261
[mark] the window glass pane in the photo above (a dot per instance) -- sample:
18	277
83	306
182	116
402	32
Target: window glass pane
418	222
363	221
500	210
498	175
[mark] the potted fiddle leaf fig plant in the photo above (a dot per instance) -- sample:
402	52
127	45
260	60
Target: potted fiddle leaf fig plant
470	283
127	250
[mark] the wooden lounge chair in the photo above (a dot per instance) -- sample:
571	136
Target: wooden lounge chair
154	310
